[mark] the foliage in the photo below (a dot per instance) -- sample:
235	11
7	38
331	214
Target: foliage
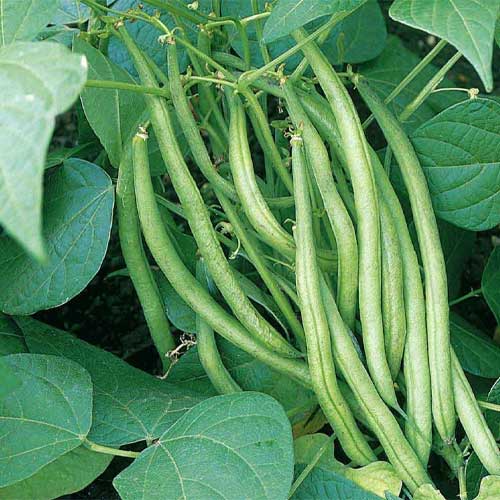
228	147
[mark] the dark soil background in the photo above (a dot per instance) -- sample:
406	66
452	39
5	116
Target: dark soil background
107	312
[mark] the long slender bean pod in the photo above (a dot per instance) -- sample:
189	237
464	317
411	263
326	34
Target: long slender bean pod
418	427
472	419
208	351
438	329
319	351
186	285
189	128
129	231
354	145
197	214
393	307
343	229
380	419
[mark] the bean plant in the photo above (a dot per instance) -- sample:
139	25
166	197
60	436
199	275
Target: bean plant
297	199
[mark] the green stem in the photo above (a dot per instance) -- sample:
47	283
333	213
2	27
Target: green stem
310	466
109	451
131	87
410	77
473	293
489	406
429	88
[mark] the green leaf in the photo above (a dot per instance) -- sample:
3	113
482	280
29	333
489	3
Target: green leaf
493	417
469	26
250	374
9	380
11	337
377	477
233	446
459	150
113	114
474	473
475	350
48	415
78	213
129	405
386	71
24	19
67	474
490	282
37	82
322	484
427	492
289	15
71	12
458	246
490	488
363	35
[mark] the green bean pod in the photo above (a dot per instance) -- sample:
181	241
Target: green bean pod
436	288
208	351
355	148
418	427
341	223
186	285
472	419
393	306
197	214
319	350
379	418
129	232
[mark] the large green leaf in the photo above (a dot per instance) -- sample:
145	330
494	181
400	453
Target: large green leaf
70	12
48	415
475	350
37	82
250	374
459	150
474	474
78	213
490	488
288	15
386	71
67	474
491	282
113	114
363	35
24	19
233	446
9	381
11	337
129	405
469	26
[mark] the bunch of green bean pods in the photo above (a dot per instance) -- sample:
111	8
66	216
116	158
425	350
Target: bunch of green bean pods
304	259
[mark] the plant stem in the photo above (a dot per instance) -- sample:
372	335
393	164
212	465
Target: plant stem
410	77
473	293
309	467
131	87
462	483
489	406
429	88
110	451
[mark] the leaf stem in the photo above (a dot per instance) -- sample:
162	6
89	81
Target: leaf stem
473	293
309	467
488	406
110	451
410	77
131	87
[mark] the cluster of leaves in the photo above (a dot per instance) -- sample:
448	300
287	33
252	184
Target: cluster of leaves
67	406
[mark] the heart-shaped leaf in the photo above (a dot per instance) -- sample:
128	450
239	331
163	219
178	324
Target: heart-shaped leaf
129	405
78	213
288	15
469	26
459	150
48	415
233	446
475	350
490	282
68	474
24	19
37	82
